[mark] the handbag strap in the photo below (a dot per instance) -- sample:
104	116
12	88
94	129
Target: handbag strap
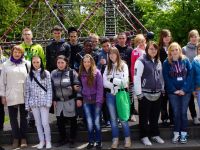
36	80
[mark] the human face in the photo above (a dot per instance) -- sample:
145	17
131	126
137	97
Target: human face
95	42
73	37
88	47
113	57
27	36
122	40
87	63
36	63
106	46
17	54
57	34
175	53
61	64
142	43
194	39
198	51
166	40
152	51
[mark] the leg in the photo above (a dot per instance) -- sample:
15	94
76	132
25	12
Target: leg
13	113
192	107
73	128
89	110
97	124
126	128
61	126
164	112
111	103
45	123
176	107
2	115
184	107
144	111
38	122
154	117
23	121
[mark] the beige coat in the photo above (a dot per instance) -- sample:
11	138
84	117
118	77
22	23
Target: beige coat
12	82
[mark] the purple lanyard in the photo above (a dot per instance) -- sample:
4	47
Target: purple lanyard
177	67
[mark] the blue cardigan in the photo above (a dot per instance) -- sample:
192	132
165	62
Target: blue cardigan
178	76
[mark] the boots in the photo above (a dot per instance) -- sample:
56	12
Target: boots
15	144
115	143
127	142
23	143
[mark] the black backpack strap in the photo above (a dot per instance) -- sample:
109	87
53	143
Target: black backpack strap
39	84
71	76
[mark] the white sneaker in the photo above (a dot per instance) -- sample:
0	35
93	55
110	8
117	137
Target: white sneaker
158	139
146	141
41	145
48	145
196	121
176	137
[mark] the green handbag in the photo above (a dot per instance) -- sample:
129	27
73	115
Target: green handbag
123	104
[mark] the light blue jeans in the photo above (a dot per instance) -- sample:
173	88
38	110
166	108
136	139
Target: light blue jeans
198	98
111	103
92	114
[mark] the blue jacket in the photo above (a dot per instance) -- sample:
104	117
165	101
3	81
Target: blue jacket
178	76
101	55
196	71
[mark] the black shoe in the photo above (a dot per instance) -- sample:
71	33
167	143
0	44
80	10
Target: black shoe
90	145
71	144
98	145
165	123
1	148
60	143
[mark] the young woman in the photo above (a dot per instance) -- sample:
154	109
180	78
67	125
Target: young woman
148	87
196	74
38	98
92	92
65	94
190	51
115	74
13	76
177	72
165	40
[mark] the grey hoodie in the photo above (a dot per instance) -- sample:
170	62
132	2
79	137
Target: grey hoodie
190	50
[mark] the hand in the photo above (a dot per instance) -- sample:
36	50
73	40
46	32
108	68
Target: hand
54	104
177	92
78	103
181	93
3	100
102	61
76	87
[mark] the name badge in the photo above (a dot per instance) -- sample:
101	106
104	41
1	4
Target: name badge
180	79
65	80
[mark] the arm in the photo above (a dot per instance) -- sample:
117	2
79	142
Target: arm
49	89
106	80
99	82
138	71
124	80
27	93
3	82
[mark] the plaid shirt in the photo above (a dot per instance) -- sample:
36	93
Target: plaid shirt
35	96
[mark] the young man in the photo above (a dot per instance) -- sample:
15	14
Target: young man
30	47
75	46
57	47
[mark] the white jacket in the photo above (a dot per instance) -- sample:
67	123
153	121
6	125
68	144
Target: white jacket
118	78
12	82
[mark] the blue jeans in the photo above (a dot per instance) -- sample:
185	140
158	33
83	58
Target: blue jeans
180	105
111	103
198	98
92	114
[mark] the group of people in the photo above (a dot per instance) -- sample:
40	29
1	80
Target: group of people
70	77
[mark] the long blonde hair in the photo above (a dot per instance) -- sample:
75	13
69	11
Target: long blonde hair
171	47
91	73
119	60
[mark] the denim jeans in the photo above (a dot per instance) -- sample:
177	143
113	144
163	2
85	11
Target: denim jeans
92	114
111	103
180	105
198	98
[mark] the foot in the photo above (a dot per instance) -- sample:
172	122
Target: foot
48	145
60	143
176	137
158	139
71	144
41	145
196	121
98	145
146	141
90	145
183	138
23	143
